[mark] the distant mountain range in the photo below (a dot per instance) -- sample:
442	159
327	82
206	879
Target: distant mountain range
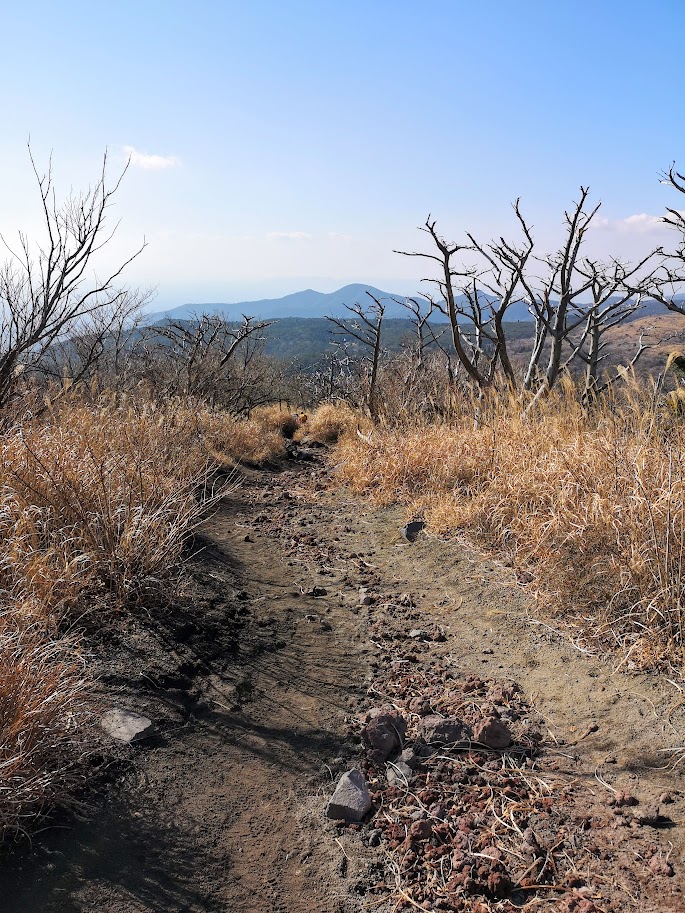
310	303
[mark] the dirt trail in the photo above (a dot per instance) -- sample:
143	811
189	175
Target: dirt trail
222	811
253	683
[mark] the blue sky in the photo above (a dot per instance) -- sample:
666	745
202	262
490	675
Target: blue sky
278	145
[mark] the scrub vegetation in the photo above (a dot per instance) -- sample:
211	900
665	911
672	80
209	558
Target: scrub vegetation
118	438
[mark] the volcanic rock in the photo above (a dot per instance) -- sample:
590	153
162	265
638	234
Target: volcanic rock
351	799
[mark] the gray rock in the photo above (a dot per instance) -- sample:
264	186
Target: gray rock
351	799
410	758
126	726
364	597
650	815
318	591
375	837
440	730
412	529
415	633
492	733
399	773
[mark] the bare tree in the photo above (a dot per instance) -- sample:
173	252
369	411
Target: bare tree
46	287
102	345
668	281
332	375
195	356
365	327
479	294
617	292
468	352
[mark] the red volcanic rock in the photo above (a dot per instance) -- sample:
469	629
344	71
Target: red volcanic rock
492	733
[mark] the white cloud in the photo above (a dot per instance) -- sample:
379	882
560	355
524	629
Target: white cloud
150	162
288	236
640	223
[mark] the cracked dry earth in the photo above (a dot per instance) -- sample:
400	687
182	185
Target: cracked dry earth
258	681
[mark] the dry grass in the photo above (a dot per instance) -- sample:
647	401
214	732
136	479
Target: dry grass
331	421
96	503
230	441
45	710
280	417
593	504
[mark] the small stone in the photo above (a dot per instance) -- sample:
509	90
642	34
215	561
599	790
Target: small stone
126	726
351	799
410	758
649	815
440	730
622	799
420	830
411	530
659	866
492	733
666	799
375	837
364	597
417	632
399	773
420	706
318	591
503	692
383	732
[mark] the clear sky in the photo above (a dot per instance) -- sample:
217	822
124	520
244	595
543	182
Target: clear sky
280	144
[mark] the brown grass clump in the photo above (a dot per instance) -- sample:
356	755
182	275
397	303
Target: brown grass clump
592	502
230	441
280	417
97	500
45	710
331	421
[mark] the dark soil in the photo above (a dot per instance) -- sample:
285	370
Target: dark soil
258	679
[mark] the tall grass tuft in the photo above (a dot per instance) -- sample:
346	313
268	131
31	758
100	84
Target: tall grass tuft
592	501
45	713
97	500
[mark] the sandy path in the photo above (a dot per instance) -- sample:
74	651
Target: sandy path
251	681
223	811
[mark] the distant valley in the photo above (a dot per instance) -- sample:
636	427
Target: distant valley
301	334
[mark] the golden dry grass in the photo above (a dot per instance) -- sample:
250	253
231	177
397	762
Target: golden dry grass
96	503
45	712
280	417
330	421
592	503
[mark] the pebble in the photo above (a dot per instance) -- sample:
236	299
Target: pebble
492	733
126	726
